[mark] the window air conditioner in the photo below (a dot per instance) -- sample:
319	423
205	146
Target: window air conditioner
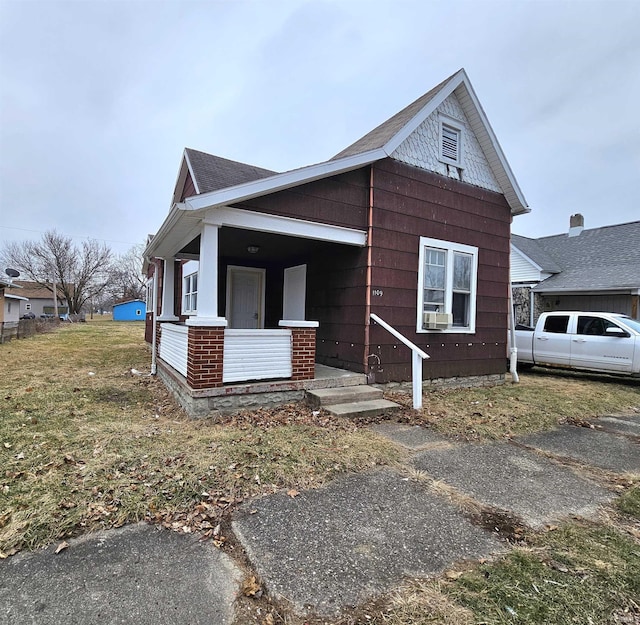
437	321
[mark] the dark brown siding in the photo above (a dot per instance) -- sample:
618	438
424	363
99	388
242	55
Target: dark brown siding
410	203
336	298
341	200
189	188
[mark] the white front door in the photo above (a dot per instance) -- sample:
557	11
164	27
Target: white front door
245	297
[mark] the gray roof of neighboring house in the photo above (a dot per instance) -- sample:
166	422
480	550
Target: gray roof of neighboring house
214	172
605	258
532	249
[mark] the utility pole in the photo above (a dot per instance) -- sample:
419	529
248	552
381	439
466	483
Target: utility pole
55	294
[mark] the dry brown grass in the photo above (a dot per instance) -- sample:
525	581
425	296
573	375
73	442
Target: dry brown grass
85	444
540	401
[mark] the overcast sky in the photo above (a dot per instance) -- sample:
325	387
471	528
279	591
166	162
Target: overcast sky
99	99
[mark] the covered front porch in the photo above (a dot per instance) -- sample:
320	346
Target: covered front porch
231	303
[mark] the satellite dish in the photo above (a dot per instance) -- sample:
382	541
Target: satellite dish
12	273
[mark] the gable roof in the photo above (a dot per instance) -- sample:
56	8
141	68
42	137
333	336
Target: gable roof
536	253
249	182
210	173
598	259
386	131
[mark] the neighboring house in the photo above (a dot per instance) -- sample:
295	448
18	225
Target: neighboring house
9	309
40	299
132	310
596	269
260	274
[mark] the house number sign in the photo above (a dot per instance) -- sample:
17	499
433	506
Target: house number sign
377	292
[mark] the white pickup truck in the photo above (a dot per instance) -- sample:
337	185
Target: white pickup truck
588	341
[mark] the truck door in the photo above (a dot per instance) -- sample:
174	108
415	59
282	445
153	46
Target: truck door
552	344
593	348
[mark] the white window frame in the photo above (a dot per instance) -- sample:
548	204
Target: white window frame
457	127
151	296
449	249
189	294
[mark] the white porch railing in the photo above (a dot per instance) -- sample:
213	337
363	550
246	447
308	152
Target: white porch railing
256	355
173	346
417	356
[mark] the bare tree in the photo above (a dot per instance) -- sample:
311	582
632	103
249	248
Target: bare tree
81	272
126	278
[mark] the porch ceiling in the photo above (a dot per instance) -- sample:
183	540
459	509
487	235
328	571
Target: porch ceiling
233	244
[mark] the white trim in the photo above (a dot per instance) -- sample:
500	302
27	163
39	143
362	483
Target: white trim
278	182
449	248
206	322
10	296
193	178
231	269
288	323
263	222
482	129
187	280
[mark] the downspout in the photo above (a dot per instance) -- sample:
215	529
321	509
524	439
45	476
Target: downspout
532	303
154	318
513	351
367	305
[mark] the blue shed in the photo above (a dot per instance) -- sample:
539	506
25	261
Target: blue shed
133	310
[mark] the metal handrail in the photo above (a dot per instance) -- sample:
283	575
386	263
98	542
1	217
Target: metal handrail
417	356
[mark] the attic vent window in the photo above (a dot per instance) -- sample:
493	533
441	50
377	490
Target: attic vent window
450	143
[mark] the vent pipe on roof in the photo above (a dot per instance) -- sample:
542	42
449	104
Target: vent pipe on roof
576	225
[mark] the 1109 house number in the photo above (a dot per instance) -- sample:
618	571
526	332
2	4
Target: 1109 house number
377	292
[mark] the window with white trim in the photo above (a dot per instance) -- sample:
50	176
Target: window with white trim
447	286
150	296
190	294
451	138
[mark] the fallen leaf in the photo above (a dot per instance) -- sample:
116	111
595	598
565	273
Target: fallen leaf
8	445
268	620
251	587
62	546
453	574
292	493
20	456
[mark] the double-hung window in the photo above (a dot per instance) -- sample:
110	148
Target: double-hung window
447	284
190	294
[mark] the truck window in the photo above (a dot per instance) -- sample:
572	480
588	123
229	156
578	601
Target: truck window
556	324
594	326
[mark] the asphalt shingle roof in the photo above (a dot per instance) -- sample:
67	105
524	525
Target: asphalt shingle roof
380	135
605	258
214	172
533	250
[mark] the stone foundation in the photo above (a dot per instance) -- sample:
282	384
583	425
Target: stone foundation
474	381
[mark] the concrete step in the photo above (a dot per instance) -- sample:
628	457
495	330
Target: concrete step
366	408
330	396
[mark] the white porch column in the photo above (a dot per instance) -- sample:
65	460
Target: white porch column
168	276
208	280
